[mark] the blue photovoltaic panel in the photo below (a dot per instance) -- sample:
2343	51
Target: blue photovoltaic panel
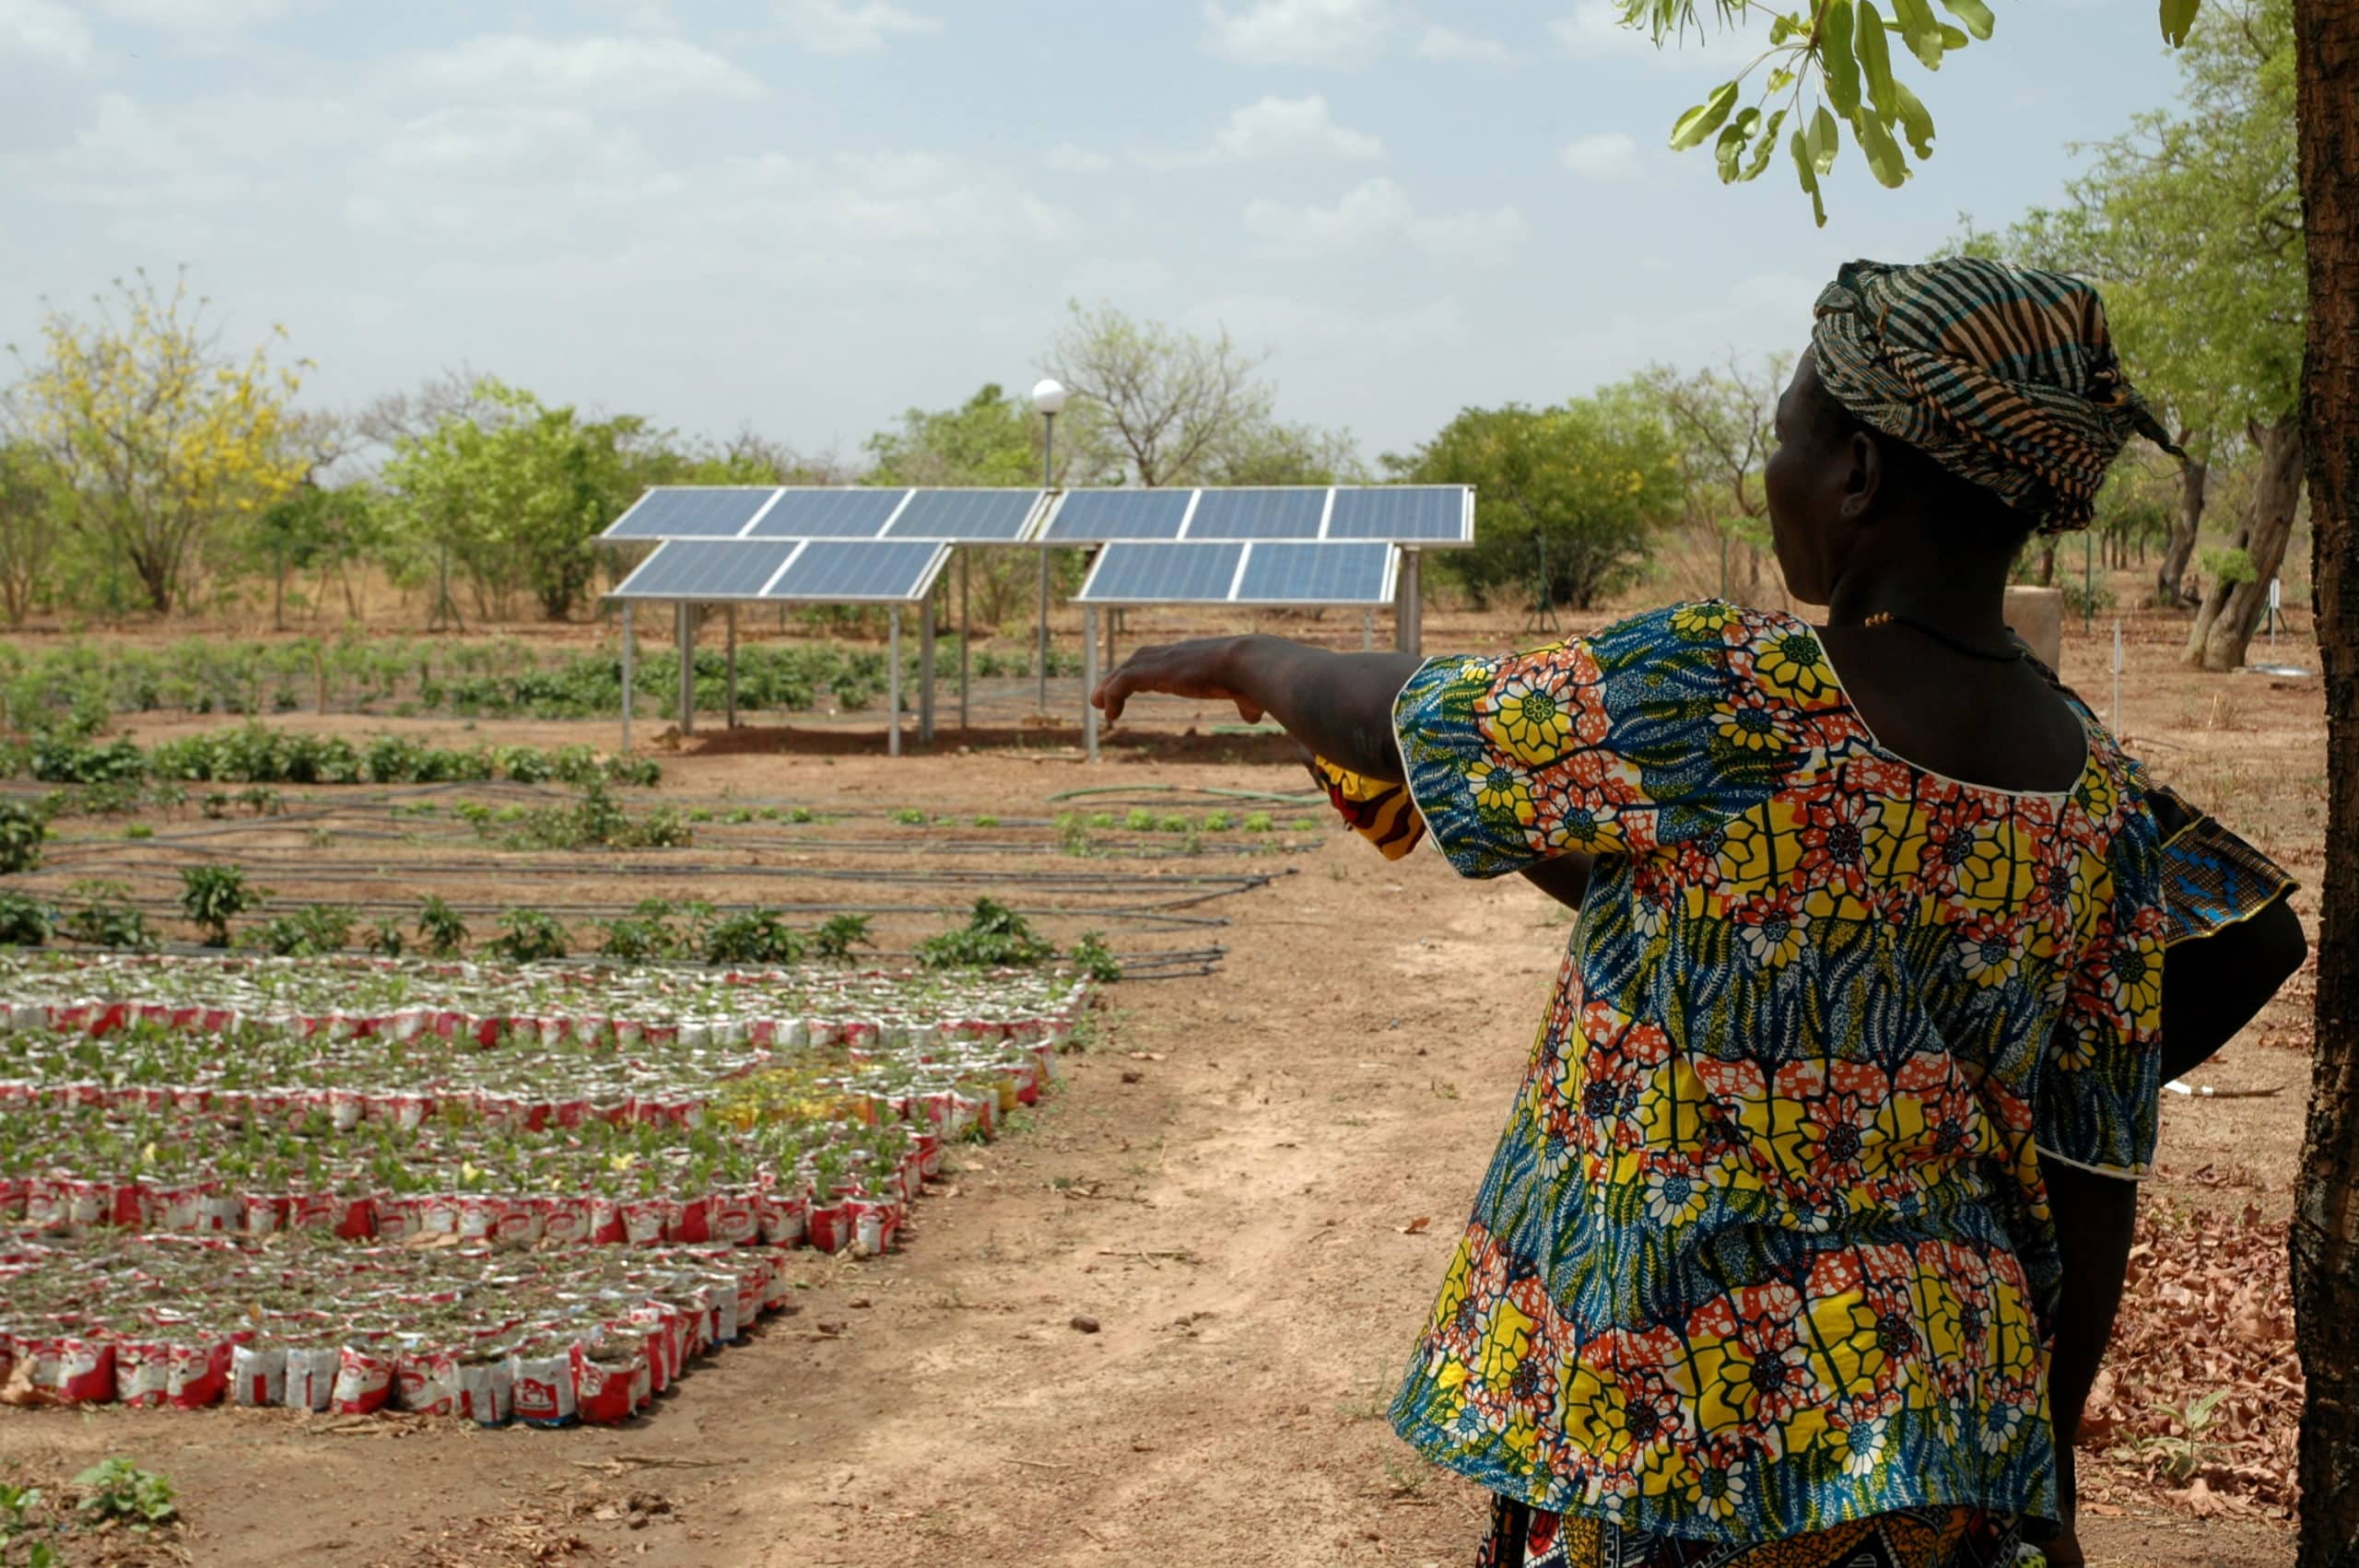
706	569
716	512
1403	514
828	514
1163	574
834	569
1258	514
1088	516
1316	573
985	515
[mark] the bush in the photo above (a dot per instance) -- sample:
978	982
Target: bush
211	897
442	928
756	937
528	936
108	917
1095	959
2079	600
312	932
23	831
24	922
839	934
385	937
995	938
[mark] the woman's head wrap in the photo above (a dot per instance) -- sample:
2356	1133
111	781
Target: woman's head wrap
2005	376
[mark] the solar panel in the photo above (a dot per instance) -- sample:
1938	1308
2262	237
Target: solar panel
1316	573
1258	514
1162	574
984	515
706	569
835	571
829	514
1085	517
1404	514
714	511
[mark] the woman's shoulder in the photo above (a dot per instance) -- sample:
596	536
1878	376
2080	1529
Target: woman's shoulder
1694	626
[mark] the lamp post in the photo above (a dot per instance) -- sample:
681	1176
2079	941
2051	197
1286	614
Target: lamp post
1049	398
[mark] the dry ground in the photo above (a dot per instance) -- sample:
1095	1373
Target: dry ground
1251	1187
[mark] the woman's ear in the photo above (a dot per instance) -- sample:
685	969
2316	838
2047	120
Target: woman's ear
1864	481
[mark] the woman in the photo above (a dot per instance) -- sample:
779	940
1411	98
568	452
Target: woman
1806	1231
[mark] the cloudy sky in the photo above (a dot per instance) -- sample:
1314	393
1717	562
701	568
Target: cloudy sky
807	214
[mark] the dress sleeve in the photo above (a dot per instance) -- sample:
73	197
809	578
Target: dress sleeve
1380	812
2101	1080
1639	737
2212	879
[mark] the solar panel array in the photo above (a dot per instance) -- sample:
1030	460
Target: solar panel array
1435	515
1301	572
770	571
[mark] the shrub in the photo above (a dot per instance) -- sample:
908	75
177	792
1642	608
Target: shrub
1095	959
995	937
528	936
212	896
385	937
310	932
23	831
759	936
442	928
24	922
839	934
107	919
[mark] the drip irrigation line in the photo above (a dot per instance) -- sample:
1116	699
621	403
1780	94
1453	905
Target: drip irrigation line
1296	799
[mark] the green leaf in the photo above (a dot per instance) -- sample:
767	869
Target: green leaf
1922	32
1730	148
1800	150
1884	154
2178	16
1914	121
1835	58
1779	80
1952	38
1875	62
1973	13
1765	148
1826	141
1701	122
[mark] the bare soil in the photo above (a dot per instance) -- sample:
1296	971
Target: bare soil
1250	1187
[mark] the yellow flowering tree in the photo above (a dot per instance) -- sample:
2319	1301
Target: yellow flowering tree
162	436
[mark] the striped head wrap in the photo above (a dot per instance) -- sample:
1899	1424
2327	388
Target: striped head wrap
2003	375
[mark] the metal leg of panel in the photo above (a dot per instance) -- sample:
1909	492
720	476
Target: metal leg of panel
966	638
925	671
1089	681
893	687
626	674
733	667
684	637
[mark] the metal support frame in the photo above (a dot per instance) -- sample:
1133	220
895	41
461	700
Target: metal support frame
732	617
966	638
925	672
1408	607
626	674
684	636
1089	681
893	686
1367	631
1048	482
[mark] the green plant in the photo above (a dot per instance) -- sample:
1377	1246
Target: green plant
529	936
1073	835
139	830
1174	824
107	919
17	1505
757	936
212	896
2225	564
987	822
309	932
802	813
118	1491
1258	822
1093	958
909	816
2080	599
839	934
24	922
385	937
442	928
23	830
994	936
1218	822
1141	820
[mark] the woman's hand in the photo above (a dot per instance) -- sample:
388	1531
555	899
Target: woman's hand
1201	668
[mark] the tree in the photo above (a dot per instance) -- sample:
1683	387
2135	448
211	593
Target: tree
2325	1233
1156	404
162	436
1567	499
2192	224
515	491
1723	422
318	529
32	503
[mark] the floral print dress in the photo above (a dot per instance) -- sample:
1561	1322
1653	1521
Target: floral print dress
1764	1249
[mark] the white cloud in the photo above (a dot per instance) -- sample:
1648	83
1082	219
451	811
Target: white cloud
1299	32
1275	130
44	31
131	158
203	17
1380	212
1067	158
843	26
1609	155
612	71
1447	45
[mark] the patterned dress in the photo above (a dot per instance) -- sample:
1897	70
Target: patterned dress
1764	1251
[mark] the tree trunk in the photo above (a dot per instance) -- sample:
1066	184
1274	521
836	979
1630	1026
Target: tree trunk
2048	563
2325	1234
2170	583
2230	611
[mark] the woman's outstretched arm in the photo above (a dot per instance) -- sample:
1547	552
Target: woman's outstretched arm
1339	705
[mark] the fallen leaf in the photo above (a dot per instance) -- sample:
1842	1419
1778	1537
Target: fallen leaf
1417	1226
